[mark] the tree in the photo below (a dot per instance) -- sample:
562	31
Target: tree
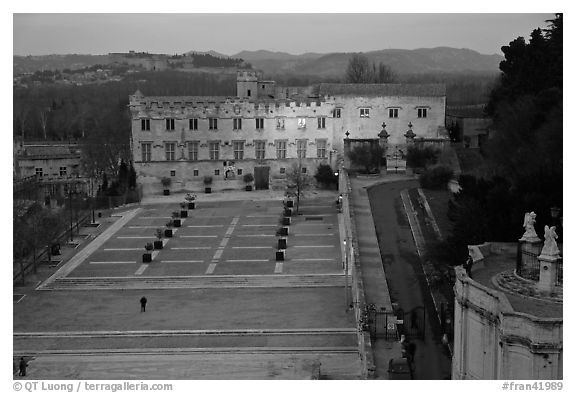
367	155
384	74
325	175
132	177
359	70
298	183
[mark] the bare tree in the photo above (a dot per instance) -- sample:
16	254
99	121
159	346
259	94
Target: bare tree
384	74
359	70
43	116
298	183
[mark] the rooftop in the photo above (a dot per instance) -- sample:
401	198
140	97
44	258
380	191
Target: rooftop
383	89
49	151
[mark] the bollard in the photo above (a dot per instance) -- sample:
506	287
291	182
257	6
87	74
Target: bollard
286	220
282	243
280	255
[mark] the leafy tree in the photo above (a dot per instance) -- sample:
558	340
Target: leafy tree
132	177
421	157
325	175
436	178
366	155
297	183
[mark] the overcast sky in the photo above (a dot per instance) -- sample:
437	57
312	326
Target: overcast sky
90	33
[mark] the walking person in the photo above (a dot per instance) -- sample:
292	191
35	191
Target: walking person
22	367
143	302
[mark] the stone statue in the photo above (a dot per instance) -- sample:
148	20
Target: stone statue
529	221
550	247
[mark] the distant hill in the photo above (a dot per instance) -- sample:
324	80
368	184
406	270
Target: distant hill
402	61
210	52
331	65
22	64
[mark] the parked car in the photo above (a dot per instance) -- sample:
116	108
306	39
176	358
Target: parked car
399	368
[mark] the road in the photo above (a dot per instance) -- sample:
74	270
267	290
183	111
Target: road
404	274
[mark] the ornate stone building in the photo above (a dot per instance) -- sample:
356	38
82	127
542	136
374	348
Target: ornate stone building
266	129
508	313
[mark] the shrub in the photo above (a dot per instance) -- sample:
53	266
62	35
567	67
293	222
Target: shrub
166	182
248	178
436	178
207	180
325	175
421	157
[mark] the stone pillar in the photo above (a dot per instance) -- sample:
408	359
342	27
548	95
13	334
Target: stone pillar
548	272
409	135
383	142
347	150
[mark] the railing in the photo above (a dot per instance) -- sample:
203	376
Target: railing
527	263
31	262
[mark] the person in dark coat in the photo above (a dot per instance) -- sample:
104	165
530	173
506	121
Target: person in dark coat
22	367
143	302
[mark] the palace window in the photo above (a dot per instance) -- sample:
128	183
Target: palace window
321	148
172	173
170	148
193	151
237	124
39	172
212	123
321	122
282	171
214	150
301	122
62	171
146	151
301	148
422	112
238	150
216	172
279	123
259	123
170	124
145	124
239	172
393	113
304	170
280	149
193	124
195	172
337	113
260	148
364	112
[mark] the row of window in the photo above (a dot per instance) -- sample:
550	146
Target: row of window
236	123
392	112
217	172
40	171
238	148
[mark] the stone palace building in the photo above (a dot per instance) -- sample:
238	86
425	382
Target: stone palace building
266	129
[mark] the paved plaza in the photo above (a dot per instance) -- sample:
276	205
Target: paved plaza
216	293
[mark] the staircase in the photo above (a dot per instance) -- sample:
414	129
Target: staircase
198	282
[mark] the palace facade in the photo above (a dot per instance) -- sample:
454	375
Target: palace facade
266	129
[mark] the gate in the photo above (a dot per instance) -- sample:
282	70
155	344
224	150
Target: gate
381	323
261	177
412	324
